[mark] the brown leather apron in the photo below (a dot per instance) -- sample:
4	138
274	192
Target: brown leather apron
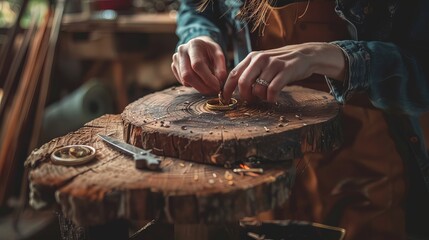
361	186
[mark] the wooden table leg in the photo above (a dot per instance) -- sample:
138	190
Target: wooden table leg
188	232
117	229
69	230
120	85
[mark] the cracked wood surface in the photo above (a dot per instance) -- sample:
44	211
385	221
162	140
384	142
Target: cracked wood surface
110	188
175	123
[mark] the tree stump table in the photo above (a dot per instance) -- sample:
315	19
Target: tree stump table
176	123
191	188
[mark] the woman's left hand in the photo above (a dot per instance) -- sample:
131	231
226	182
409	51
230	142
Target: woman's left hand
263	74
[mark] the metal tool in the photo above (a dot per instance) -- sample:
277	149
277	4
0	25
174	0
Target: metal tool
244	170
144	159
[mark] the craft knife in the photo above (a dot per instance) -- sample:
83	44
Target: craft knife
144	159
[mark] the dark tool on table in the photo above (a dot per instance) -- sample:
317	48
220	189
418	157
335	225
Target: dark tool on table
288	229
144	159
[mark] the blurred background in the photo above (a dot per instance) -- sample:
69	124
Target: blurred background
62	64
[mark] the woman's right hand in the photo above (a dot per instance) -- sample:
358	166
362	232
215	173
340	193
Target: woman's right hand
200	63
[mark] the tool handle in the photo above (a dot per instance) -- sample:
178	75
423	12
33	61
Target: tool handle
147	161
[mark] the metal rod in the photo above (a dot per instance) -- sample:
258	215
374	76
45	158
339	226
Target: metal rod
243	170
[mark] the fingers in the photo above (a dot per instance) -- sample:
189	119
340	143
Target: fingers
260	90
187	75
175	70
233	78
215	56
248	77
275	87
219	64
200	64
173	67
256	65
270	90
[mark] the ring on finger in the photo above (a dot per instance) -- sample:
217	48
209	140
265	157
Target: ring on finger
262	82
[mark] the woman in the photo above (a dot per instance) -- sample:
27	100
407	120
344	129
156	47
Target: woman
378	69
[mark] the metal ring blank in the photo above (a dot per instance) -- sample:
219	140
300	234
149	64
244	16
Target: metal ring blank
213	104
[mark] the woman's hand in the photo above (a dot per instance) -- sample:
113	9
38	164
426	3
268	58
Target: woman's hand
200	63
263	74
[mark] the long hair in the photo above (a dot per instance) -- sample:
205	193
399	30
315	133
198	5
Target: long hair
254	11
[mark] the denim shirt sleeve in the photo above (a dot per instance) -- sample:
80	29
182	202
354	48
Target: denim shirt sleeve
393	72
394	80
192	23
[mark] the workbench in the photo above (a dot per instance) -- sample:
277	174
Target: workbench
106	194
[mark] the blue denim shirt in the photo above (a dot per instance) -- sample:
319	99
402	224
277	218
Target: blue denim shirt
386	54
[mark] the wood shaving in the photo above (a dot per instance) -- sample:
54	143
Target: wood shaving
228	175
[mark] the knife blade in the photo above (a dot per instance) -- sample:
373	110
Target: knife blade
144	159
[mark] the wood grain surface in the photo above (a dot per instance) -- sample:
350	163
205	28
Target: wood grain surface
176	123
110	187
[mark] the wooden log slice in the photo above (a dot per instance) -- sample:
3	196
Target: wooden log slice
176	123
110	187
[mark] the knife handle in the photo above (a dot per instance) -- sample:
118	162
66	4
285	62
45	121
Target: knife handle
147	161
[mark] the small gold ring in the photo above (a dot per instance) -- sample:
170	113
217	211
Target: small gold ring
213	104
